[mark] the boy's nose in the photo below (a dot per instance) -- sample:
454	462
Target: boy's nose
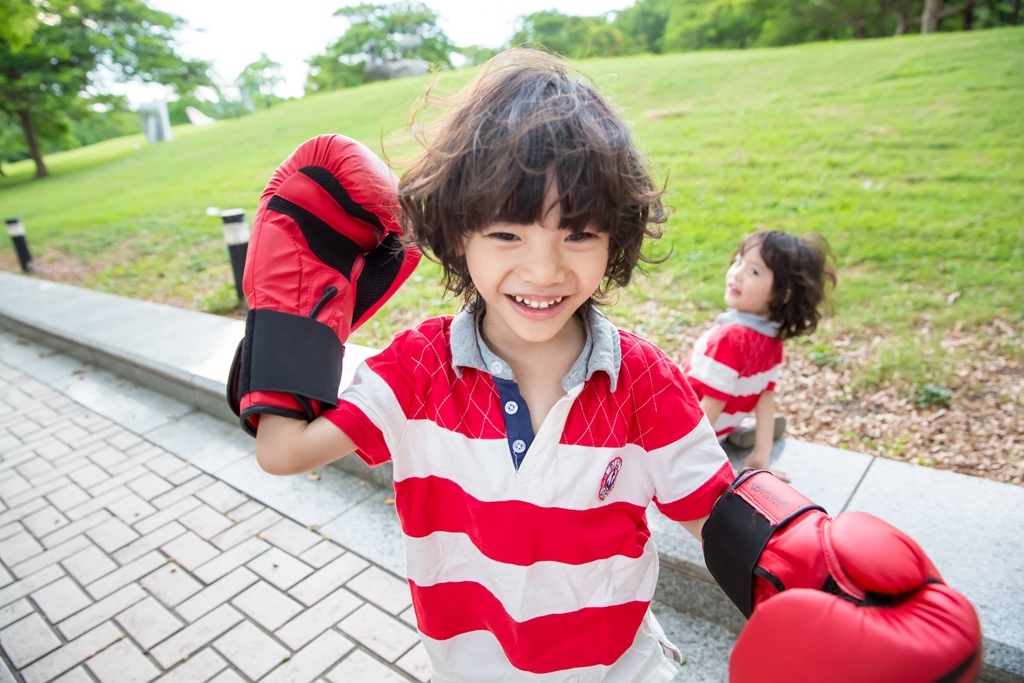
544	265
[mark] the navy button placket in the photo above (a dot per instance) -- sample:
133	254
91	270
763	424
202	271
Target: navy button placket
518	427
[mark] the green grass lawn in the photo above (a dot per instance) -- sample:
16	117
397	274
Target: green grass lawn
908	154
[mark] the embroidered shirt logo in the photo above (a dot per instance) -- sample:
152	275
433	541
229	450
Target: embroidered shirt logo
611	473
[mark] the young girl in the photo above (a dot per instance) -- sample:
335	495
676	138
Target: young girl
528	435
775	290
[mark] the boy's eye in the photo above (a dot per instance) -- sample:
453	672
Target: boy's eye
503	236
581	236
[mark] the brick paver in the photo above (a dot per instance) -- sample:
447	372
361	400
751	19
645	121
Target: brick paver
120	562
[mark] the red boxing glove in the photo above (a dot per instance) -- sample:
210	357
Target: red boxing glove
325	253
850	600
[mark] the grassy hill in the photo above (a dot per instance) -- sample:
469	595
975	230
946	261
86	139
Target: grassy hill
908	154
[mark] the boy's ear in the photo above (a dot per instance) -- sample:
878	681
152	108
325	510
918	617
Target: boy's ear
786	298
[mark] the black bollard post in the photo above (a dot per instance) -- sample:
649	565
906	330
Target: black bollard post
17	232
236	236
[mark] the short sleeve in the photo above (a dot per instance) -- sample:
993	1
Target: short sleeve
692	472
685	463
690	475
374	409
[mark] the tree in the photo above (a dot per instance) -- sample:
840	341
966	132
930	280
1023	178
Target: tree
17	22
572	36
401	30
85	121
643	24
73	45
258	81
930	16
12	142
673	25
801	21
330	71
100	118
934	13
704	24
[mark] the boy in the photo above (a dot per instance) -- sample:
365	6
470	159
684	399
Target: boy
528	435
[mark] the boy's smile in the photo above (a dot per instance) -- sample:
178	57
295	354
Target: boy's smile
534	277
536	303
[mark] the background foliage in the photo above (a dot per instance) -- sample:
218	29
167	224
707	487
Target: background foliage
57	57
907	154
53	54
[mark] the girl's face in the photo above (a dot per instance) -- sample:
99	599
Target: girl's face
748	283
533	277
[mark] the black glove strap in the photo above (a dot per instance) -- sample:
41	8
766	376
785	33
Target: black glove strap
293	354
289	354
737	532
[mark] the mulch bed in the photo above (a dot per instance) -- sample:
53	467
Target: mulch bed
980	432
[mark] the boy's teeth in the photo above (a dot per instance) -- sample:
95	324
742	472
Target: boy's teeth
534	303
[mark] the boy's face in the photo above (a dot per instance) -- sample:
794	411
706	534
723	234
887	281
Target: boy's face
533	277
748	283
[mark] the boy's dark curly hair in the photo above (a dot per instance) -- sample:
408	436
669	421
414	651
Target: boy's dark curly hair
804	271
523	121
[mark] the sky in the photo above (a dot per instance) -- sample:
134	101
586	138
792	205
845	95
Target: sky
233	33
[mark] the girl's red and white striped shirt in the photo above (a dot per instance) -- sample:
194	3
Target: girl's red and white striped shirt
735	361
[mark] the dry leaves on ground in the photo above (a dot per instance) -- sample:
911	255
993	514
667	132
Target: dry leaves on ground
980	433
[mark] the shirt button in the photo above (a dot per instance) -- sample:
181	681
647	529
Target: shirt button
496	368
518	446
511	407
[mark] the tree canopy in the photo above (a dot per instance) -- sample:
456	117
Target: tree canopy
258	81
662	26
17	21
403	30
578	37
59	56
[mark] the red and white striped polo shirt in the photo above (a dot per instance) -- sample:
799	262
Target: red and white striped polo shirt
545	572
735	361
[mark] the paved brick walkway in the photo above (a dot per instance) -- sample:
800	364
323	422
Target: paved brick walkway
122	563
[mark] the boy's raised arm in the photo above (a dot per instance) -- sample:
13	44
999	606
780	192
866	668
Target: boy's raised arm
285	445
324	255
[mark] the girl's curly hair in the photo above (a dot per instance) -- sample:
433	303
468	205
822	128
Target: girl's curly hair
804	272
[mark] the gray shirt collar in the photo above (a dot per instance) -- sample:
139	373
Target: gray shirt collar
755	322
602	351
